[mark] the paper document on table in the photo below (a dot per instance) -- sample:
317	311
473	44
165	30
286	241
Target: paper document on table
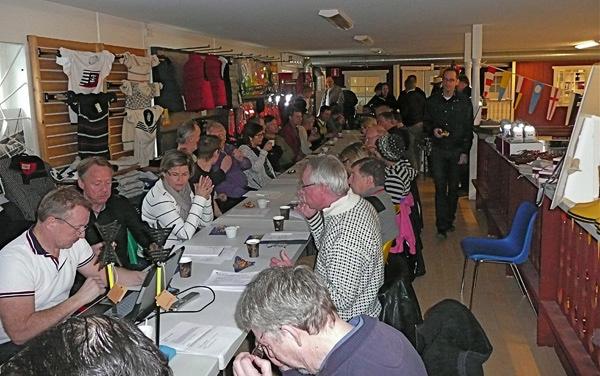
285	237
241	211
203	250
226	255
229	281
190	338
270	195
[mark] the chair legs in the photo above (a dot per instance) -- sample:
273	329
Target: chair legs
476	268
521	283
462	281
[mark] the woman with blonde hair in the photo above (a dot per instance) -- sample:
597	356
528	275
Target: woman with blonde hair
353	153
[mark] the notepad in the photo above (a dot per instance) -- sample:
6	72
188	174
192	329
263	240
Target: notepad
208	340
286	237
229	281
191	250
226	255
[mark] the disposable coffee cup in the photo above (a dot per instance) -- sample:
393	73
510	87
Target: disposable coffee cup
262	203
231	231
148	330
185	267
285	211
278	222
272	142
253	246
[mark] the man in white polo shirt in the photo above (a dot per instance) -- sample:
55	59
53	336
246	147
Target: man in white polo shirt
37	270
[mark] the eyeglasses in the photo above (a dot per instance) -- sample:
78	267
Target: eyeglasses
259	349
176	174
303	186
79	229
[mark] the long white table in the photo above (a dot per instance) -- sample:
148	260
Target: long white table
251	221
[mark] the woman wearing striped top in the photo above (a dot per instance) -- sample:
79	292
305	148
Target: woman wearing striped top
172	203
399	173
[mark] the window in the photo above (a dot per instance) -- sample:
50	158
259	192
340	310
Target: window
362	83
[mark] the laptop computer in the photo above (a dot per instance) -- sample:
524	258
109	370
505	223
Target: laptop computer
137	304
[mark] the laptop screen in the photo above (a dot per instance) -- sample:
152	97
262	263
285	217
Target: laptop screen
146	299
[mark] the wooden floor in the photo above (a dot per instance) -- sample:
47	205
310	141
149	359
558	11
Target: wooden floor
504	313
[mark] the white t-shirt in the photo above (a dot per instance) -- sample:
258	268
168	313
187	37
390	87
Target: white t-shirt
26	269
86	71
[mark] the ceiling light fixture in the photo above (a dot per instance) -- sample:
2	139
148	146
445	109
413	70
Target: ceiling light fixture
587	44
337	18
364	39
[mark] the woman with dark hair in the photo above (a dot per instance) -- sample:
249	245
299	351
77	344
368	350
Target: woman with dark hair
261	171
172	203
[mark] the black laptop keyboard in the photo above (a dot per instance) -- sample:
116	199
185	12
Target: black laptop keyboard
124	307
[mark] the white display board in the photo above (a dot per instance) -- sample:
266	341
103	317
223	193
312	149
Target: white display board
579	179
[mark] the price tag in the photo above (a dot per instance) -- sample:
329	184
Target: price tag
98	107
117	293
165	300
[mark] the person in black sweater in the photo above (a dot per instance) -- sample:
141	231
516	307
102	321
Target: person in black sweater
207	155
412	103
271	133
95	180
449	120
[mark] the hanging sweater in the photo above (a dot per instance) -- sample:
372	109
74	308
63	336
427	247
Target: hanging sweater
159	208
348	237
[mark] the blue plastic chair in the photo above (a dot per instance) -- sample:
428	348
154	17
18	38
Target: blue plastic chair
512	250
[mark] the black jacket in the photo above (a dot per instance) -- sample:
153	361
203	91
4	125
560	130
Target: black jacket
412	106
119	208
454	115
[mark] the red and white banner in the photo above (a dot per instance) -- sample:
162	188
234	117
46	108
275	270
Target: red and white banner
552	102
488	80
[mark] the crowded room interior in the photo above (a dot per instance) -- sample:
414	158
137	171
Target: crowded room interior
257	188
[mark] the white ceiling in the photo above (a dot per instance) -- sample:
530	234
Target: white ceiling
399	27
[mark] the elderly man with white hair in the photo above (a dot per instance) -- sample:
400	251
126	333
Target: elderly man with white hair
297	329
347	234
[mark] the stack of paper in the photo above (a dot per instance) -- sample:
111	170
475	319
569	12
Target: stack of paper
208	340
229	281
286	237
210	255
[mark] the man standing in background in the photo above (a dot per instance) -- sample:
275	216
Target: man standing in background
449	119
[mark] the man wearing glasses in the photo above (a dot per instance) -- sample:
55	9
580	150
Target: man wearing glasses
449	120
37	270
347	234
296	325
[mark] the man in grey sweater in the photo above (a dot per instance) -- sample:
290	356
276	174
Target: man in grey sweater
367	180
296	326
347	233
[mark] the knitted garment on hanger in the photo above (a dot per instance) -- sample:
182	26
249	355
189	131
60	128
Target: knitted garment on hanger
138	95
138	67
26	197
92	122
145	133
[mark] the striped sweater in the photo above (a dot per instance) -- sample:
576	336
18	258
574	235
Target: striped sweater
160	209
348	237
398	178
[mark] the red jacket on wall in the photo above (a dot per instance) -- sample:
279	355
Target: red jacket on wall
196	89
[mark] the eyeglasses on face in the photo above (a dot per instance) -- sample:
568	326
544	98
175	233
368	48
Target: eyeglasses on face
303	186
259	349
78	229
